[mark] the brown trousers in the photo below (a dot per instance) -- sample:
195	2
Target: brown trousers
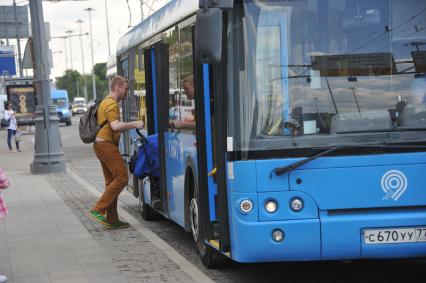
116	179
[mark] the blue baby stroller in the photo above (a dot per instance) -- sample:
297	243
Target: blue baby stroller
145	162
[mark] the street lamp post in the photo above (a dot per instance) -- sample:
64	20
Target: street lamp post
107	27
69	32
21	71
82	59
48	151
93	61
66	53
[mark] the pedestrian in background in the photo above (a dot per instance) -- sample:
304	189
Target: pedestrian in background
4	183
9	116
106	149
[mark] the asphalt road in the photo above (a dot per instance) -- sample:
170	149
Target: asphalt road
82	159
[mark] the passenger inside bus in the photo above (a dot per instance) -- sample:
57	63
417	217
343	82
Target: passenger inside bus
184	111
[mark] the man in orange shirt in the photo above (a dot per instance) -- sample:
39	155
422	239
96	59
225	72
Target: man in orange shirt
106	149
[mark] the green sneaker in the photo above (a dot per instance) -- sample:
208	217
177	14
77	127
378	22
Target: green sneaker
119	225
100	218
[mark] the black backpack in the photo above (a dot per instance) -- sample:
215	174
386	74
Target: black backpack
89	127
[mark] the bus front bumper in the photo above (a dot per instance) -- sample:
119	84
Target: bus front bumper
331	236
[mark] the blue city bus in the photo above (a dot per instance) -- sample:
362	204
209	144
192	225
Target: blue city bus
287	130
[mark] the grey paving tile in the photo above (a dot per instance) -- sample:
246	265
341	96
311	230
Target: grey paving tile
64	269
78	237
55	248
64	259
23	247
75	278
56	254
45	242
45	228
20	257
44	278
4	249
5	267
91	259
28	267
113	279
72	229
100	269
81	251
17	237
21	228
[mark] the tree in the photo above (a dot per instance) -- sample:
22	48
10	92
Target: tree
101	70
101	80
72	82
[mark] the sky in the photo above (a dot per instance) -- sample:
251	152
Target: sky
62	16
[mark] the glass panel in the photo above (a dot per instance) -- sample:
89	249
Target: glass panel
172	40
125	73
187	103
139	93
312	73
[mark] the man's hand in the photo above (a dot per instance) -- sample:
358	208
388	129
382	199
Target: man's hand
138	124
122	126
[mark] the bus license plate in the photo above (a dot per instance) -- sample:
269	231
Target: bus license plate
395	235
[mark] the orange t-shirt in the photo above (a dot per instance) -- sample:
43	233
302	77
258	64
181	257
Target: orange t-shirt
108	111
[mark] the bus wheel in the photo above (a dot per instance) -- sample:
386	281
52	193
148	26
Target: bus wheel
209	256
147	212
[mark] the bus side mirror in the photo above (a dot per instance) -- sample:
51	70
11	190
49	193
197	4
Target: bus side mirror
208	35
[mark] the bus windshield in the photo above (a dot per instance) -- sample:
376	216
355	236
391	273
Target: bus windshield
314	73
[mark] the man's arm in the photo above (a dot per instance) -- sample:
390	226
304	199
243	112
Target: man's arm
122	126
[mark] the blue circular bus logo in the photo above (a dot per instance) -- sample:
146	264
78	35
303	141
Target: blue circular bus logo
394	184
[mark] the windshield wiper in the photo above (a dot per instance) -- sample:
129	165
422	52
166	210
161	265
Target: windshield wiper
396	129
281	170
366	131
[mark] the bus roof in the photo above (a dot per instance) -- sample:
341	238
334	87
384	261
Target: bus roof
172	12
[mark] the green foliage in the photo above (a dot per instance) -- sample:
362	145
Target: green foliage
70	81
74	83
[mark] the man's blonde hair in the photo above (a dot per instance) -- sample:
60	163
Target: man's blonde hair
117	81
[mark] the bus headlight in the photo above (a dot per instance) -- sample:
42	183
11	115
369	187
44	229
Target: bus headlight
296	204
246	206
271	206
277	235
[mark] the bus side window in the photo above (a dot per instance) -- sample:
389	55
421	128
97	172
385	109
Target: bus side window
187	89
172	40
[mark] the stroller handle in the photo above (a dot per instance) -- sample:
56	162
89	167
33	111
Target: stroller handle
141	136
139	133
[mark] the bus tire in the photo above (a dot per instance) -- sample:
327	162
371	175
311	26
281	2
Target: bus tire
209	256
147	213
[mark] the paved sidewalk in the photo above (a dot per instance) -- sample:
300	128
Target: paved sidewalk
42	240
49	237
